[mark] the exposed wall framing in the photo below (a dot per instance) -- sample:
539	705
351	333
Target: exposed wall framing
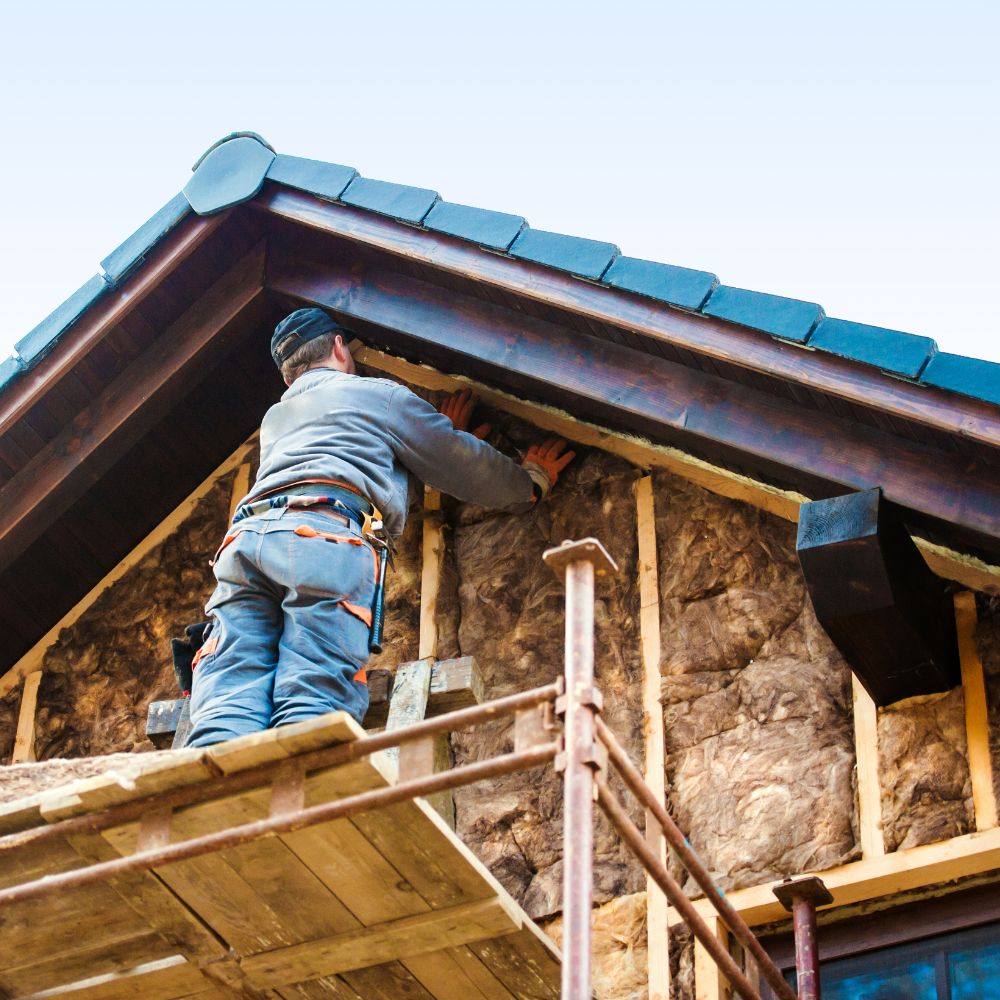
709	982
24	740
877	874
866	752
32	660
657	926
241	487
430	576
860	881
976	722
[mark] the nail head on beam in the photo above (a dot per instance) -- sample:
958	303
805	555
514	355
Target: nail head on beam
585	550
810	888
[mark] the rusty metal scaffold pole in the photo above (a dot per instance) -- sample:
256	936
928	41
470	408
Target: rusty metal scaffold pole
578	563
801	897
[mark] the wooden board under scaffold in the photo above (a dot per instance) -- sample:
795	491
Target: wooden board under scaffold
378	906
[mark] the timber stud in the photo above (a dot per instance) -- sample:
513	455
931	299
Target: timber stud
578	564
800	897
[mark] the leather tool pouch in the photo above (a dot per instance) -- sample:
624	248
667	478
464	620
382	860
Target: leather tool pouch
184	652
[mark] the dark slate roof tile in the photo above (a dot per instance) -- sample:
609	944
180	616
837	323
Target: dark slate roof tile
232	171
969	376
890	350
10	368
680	286
587	258
791	319
44	336
328	180
399	201
479	225
120	262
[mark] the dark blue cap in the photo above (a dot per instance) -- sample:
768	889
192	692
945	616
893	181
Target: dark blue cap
299	328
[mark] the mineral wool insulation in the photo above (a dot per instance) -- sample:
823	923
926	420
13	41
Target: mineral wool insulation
756	700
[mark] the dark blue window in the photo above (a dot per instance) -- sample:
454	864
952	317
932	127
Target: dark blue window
959	966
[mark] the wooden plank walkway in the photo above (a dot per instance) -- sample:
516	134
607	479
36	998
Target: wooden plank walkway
380	906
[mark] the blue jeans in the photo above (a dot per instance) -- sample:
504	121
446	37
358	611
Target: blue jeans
290	626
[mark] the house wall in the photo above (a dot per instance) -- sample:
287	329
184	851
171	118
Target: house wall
756	700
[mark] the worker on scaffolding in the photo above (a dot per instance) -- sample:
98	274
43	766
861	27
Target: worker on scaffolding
300	571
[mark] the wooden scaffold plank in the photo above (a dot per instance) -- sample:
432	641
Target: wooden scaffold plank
375	945
372	886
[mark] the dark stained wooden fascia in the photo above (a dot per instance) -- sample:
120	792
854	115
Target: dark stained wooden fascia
706	336
137	399
670	402
25	393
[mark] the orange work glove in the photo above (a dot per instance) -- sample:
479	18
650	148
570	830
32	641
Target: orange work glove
458	407
544	462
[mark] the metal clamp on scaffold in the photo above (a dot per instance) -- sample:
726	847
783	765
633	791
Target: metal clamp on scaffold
588	697
596	758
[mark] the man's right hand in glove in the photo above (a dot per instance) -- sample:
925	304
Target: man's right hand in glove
544	462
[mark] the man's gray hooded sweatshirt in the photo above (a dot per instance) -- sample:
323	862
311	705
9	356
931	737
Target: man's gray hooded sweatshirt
371	433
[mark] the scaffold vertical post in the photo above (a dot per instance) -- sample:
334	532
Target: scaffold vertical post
578	563
801	897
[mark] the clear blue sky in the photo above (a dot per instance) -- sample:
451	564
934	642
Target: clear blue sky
845	153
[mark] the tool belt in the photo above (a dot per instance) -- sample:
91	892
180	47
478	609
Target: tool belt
343	500
348	503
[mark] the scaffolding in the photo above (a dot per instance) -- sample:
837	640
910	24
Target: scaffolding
557	725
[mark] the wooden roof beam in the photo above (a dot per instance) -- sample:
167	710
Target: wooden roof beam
670	402
19	397
861	384
86	448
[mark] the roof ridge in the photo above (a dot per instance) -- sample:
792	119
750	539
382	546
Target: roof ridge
236	167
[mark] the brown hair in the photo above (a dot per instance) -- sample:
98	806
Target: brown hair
306	356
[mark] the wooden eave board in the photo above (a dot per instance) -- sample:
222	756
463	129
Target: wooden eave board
295	913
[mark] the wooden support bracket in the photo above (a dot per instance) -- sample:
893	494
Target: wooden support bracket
410	693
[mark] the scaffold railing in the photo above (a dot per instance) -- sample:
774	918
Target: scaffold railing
558	725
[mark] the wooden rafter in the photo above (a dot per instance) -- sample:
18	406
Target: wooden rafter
20	397
703	335
69	464
665	400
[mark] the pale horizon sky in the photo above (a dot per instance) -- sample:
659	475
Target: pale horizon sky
845	154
